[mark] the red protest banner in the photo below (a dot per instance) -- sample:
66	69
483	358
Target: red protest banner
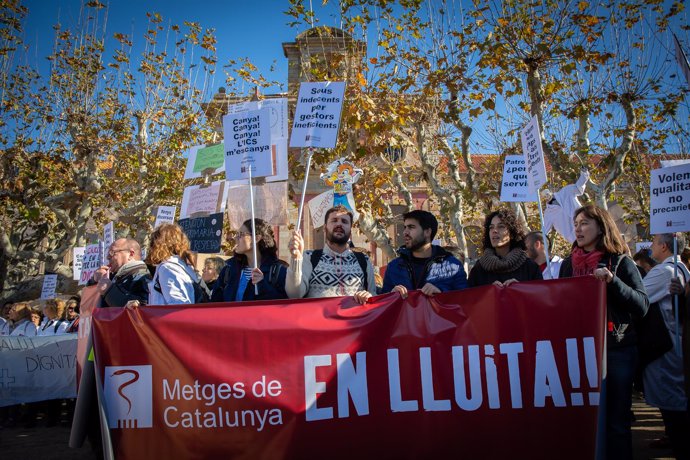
482	373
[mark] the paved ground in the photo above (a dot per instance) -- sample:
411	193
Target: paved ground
42	443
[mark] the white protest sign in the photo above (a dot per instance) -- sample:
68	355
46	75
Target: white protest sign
206	159
669	200
108	235
90	263
49	285
317	116
200	199
325	201
165	215
534	156
270	204
279	149
669	163
642	245
277	110
248	144
77	258
681	59
514	184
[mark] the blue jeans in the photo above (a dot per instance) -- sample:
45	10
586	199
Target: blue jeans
617	401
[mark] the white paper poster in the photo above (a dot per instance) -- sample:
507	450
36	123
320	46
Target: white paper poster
108	235
248	144
77	259
165	215
49	285
534	155
279	148
270	204
206	159
277	110
669	199
203	200
317	115
323	202
642	245
669	163
91	262
514	184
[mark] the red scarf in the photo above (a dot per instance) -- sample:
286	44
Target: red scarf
584	263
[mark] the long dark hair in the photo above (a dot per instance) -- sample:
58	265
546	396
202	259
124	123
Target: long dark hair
510	220
610	241
266	245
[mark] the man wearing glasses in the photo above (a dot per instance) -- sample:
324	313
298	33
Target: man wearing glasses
126	276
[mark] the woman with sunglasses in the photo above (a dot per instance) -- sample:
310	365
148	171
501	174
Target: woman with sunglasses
237	279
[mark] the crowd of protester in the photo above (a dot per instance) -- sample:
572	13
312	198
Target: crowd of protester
509	254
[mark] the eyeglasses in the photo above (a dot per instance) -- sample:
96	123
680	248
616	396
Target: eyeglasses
242	234
112	253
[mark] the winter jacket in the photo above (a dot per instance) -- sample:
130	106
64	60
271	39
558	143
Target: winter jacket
443	270
225	288
131	282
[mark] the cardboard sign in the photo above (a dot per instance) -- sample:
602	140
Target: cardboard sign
325	201
204	233
49	285
514	186
200	200
534	155
270	204
108	235
248	144
91	262
669	200
77	260
206	159
165	215
317	116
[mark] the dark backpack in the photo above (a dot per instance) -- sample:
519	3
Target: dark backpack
361	259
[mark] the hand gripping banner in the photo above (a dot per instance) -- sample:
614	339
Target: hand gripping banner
481	373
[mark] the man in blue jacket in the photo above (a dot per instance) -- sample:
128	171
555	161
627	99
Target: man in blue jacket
422	265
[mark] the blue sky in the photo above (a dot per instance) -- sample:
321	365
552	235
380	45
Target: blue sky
254	29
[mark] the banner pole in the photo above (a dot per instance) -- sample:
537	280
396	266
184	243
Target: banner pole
304	188
546	240
251	199
675	297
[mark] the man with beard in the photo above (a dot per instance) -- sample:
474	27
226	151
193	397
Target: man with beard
334	271
422	265
126	277
537	252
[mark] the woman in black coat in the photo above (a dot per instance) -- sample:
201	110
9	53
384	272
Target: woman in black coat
599	250
504	259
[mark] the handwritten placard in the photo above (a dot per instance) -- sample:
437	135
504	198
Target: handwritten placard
204	233
49	286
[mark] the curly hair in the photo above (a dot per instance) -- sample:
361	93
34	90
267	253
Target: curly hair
168	240
611	241
57	305
510	220
266	245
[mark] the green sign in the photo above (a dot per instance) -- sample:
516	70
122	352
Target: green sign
211	157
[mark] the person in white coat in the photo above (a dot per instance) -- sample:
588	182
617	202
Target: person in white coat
561	207
663	378
20	314
173	281
53	322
